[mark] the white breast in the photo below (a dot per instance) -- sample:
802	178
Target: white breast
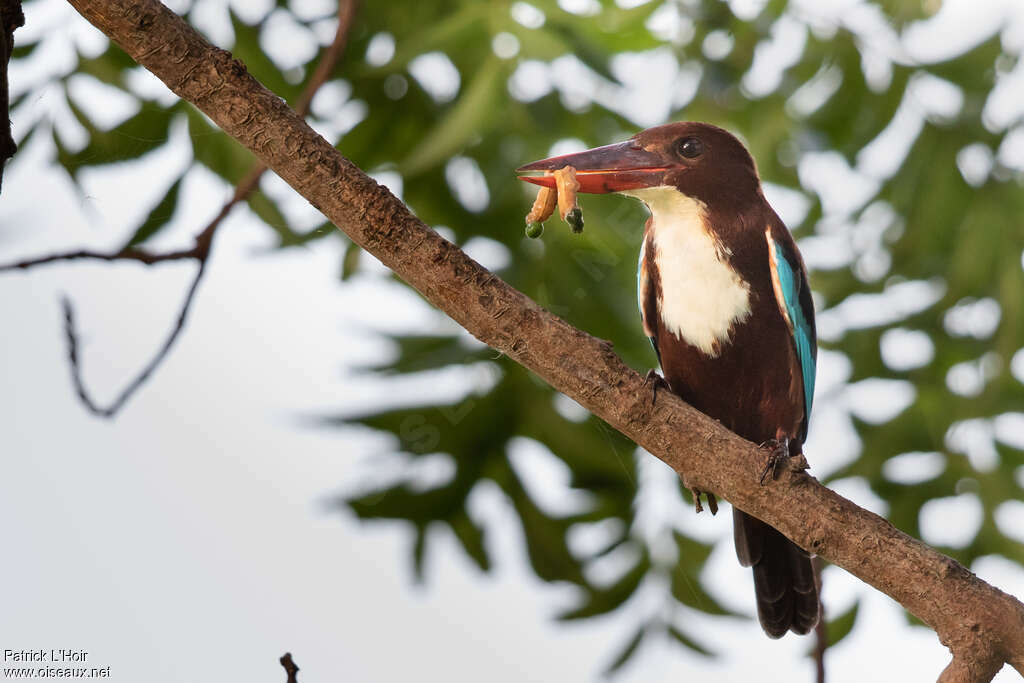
702	297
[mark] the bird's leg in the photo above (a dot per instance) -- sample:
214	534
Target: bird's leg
658	382
779	455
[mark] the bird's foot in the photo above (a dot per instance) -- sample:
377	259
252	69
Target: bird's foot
779	457
712	501
657	382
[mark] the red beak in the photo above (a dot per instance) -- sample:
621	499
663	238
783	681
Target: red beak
612	168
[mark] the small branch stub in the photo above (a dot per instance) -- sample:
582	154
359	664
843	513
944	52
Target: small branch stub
290	667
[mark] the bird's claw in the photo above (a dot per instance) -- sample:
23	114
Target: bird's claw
779	455
778	452
657	382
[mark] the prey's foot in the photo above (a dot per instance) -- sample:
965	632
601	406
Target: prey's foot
712	501
658	382
779	457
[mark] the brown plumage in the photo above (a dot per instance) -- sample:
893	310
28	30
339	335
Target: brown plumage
713	303
753	386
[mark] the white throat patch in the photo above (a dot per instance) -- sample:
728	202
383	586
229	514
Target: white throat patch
702	297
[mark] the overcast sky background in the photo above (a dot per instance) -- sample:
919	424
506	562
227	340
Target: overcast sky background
192	537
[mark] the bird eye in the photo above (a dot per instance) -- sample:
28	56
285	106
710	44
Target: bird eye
691	148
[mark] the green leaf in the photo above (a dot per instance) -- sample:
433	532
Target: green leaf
600	458
605	600
216	150
418	353
419	552
158	217
131	139
688	642
841	626
545	537
471	536
974	69
686	585
268	212
22	50
110	67
627	652
838	628
442	33
466	119
350	262
578	45
247	49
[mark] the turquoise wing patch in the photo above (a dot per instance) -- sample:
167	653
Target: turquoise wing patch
791	281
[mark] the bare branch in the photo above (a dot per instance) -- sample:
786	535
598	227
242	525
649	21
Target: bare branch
144	374
821	628
982	626
200	250
290	667
346	15
127	254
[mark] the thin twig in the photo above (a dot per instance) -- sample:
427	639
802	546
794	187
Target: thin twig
346	14
140	379
126	254
289	665
200	251
821	630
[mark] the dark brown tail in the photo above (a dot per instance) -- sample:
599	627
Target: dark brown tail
787	599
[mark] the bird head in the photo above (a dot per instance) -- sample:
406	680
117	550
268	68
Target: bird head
699	160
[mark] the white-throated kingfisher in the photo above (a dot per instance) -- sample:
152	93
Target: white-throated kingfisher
724	299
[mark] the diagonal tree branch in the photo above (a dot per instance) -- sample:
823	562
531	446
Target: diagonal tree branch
821	629
982	626
200	251
11	18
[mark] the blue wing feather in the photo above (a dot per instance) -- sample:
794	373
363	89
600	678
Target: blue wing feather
796	293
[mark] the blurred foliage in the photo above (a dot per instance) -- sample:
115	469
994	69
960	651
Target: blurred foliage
917	222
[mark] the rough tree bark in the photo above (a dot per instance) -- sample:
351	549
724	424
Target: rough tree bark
982	626
11	18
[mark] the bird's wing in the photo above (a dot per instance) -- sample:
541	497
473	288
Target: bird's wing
643	293
793	294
